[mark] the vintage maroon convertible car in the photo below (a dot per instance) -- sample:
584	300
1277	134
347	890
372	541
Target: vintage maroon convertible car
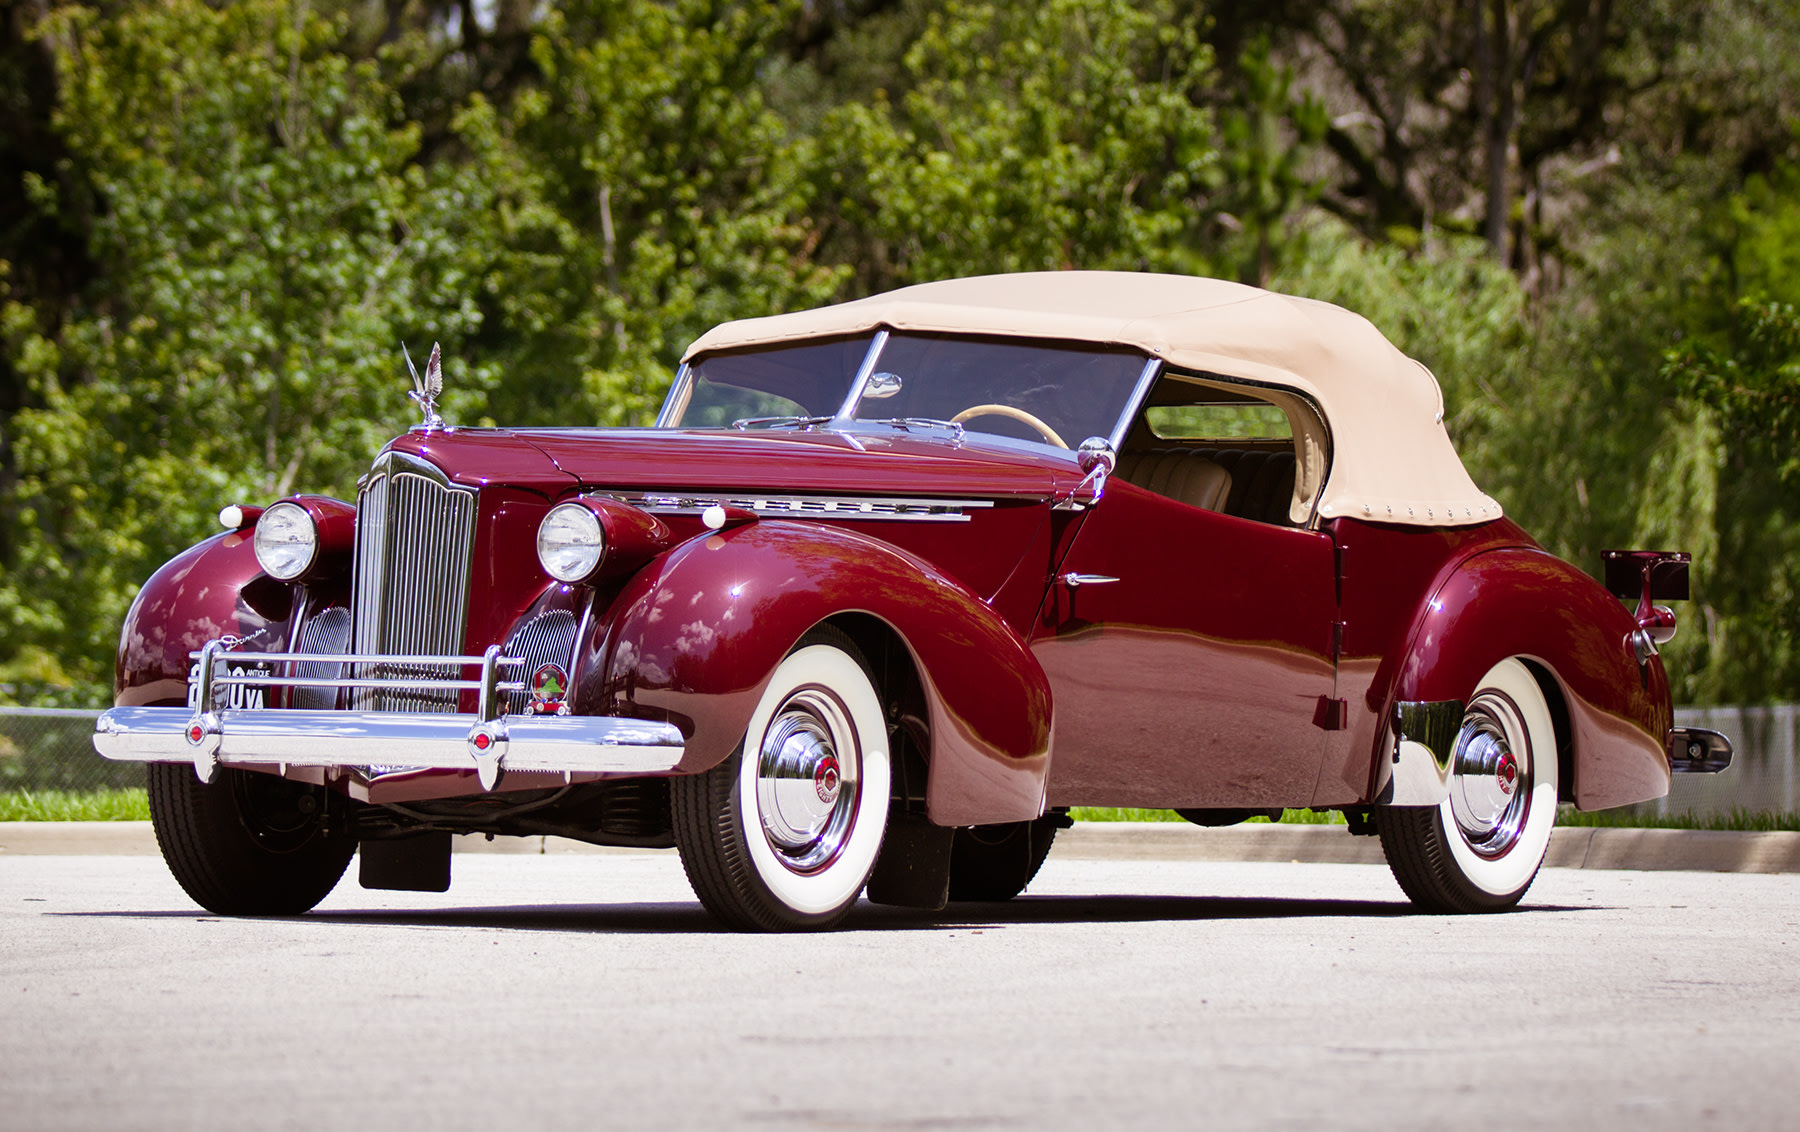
890	586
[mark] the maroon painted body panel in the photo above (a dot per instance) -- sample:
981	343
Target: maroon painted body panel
1192	680
213	589
1427	612
1530	604
476	457
694	637
506	578
794	461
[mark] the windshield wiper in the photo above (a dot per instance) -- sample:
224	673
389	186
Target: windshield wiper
908	424
746	423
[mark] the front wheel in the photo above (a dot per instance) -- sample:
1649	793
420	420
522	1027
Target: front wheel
783	834
1481	848
249	844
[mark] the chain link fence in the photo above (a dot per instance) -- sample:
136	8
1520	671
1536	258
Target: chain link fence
53	749
1765	760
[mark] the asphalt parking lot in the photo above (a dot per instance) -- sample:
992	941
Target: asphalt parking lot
590	990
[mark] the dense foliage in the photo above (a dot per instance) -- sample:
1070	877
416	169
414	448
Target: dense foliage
218	223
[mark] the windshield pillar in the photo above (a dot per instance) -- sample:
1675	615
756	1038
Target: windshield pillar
847	410
1152	366
676	403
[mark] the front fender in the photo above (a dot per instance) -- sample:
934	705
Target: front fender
1523	602
212	589
695	637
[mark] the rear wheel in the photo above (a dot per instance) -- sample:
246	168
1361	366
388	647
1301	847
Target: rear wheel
783	834
1481	848
996	862
249	844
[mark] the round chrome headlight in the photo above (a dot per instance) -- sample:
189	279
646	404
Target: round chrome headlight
570	542
286	541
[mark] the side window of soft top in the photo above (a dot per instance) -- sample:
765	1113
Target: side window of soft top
1244	450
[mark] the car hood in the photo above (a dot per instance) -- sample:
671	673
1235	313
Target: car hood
553	460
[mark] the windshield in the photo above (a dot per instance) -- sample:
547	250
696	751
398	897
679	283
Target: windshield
1037	392
1051	394
811	379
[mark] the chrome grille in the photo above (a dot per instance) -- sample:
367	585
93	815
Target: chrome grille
548	638
414	534
327	631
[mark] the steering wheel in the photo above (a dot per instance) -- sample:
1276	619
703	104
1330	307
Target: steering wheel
1008	411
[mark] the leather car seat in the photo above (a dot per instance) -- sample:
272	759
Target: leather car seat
1185	475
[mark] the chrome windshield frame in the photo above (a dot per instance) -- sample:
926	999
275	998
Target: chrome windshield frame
1152	369
681	391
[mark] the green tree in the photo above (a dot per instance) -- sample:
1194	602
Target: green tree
1749	377
650	193
1027	136
264	248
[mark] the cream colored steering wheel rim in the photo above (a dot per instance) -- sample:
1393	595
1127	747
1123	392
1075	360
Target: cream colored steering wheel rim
1020	415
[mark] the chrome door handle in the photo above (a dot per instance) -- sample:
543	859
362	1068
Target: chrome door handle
1074	580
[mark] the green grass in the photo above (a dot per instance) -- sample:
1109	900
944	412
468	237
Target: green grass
1109	813
1753	821
73	805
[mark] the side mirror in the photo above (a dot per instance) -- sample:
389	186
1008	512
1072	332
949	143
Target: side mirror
1095	452
1097	460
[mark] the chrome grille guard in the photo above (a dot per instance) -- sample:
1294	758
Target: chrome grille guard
486	742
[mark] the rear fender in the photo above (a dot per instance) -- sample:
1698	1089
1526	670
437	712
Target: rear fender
695	637
1612	714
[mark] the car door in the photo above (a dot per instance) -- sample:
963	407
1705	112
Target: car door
1189	655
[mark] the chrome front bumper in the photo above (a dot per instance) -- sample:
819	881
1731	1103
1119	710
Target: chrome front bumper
486	742
391	740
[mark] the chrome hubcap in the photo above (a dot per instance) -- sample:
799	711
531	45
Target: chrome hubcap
1490	780
806	790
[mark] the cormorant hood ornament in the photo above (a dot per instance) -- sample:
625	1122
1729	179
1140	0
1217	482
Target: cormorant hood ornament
426	391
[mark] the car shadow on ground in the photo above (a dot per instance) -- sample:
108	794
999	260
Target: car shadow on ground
691	918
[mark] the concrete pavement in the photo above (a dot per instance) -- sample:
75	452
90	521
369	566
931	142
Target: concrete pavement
583	991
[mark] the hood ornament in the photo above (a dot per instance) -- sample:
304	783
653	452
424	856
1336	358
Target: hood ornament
426	392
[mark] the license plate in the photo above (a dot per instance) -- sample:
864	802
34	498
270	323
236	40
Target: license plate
236	697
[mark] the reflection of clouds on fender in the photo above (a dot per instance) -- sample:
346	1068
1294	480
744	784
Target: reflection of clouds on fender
695	636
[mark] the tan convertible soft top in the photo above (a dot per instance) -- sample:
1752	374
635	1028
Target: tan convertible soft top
1391	460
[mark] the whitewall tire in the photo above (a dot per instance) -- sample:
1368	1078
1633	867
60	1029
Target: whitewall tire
784	833
1481	848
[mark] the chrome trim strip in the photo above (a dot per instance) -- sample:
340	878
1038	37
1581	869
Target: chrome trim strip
807	506
393	740
224	654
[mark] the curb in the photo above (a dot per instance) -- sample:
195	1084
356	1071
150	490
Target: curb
1573	847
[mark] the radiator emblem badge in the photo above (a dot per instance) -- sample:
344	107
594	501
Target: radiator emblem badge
549	691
